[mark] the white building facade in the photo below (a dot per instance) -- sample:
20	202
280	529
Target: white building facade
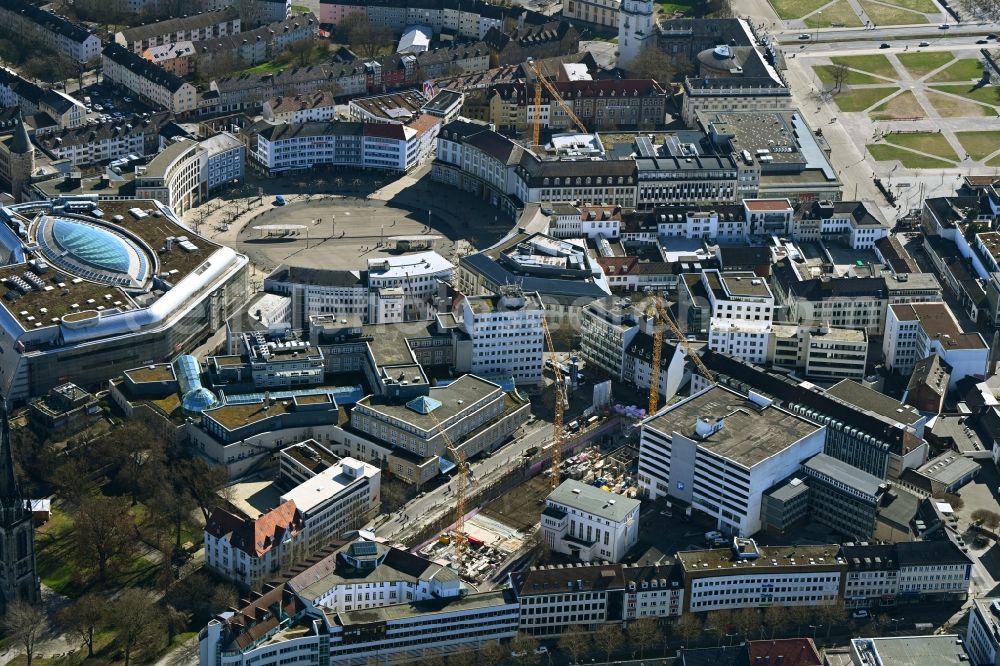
588	523
914	331
507	334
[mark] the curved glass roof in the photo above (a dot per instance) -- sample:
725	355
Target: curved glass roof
93	245
93	251
198	400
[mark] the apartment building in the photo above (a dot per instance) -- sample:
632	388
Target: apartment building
506	330
588	523
193	28
720	451
34	24
16	91
247	92
148	81
304	108
600	12
620	104
853	223
587	221
471	21
740	308
233	51
546	40
751	576
915	331
94	144
885	575
819	352
248	552
719	223
555	597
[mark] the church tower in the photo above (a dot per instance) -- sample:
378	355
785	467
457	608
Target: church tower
635	29
18	576
22	160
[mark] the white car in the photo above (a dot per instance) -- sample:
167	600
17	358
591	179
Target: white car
943	26
541	649
860	614
805	36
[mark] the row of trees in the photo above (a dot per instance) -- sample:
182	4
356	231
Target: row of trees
102	481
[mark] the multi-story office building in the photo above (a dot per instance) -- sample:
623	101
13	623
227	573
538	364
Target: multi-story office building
688	169
552	598
943	649
982	639
741	308
150	82
607	328
864	428
34	24
183	174
587	221
720	451
193	28
843	497
610	104
819	352
721	223
382	146
81	318
854	223
507	334
751	576
915	331
588	523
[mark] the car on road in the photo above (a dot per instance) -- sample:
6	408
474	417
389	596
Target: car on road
517	655
884	45
992	35
924	44
860	614
982	41
943	26
541	649
805	36
98	107
279	200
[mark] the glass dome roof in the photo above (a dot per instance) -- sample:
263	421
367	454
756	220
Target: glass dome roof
93	245
198	400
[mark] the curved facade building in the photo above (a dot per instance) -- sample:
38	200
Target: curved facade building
94	292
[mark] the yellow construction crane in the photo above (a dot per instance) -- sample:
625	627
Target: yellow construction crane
554	95
459	538
560	408
660	313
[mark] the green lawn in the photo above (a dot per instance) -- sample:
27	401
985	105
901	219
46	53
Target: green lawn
825	74
966	69
862	98
922	6
838	14
920	64
793	9
268	67
986	94
884	153
979	144
673	6
876	64
300	9
885	15
926	142
995	162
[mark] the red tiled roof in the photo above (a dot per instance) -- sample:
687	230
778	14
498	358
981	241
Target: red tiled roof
423	122
617	265
796	652
767	204
254	537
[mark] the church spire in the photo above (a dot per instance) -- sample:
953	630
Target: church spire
21	143
10	493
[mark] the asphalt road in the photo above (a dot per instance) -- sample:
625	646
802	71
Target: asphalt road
885	33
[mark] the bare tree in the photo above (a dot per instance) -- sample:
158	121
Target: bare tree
136	620
644	632
83	618
688	628
979	516
775	617
464	656
992	521
575	641
608	639
492	654
747	620
104	532
249	11
839	73
25	623
364	38
652	63
523	649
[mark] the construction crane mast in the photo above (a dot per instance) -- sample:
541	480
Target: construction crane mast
560	408
554	95
661	316
459	538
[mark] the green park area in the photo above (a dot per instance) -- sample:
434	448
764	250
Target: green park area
979	144
839	14
793	9
988	94
966	69
921	64
860	99
883	14
826	74
876	64
884	153
901	107
933	143
956	107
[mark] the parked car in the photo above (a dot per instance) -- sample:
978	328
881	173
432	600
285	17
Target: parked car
541	649
805	35
860	614
982	41
884	45
924	44
279	200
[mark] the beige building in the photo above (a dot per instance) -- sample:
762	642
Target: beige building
601	12
819	352
148	81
